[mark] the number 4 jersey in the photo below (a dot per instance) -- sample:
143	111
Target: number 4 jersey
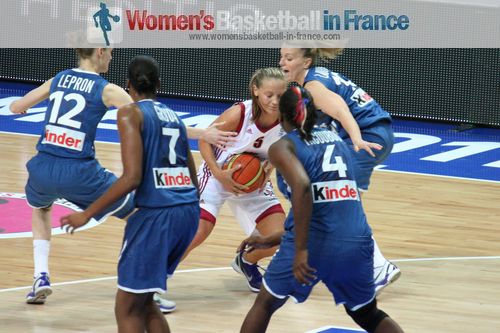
336	203
75	109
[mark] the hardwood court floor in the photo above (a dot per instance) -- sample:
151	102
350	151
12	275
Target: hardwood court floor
444	233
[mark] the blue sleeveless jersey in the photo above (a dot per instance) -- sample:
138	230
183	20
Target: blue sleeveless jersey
75	109
166	179
363	107
337	207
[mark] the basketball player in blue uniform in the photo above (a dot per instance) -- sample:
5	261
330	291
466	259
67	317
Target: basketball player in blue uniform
65	166
158	164
326	237
355	115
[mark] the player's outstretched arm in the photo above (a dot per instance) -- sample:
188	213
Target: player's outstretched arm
213	135
32	98
335	106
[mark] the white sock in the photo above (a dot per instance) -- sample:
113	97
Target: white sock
41	250
378	259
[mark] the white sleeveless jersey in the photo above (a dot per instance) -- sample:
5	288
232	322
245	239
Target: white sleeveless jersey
251	137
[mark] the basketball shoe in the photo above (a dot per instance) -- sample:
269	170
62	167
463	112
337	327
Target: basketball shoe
40	290
165	305
250	271
385	275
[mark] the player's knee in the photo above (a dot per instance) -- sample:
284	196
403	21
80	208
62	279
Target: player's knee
45	210
268	301
368	317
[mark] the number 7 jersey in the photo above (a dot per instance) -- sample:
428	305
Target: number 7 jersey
75	109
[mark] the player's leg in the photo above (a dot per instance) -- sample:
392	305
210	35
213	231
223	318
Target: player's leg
267	226
212	197
41	228
261	312
138	313
374	320
205	228
182	238
259	212
385	272
37	188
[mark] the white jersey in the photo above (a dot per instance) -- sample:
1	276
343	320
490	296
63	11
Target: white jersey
248	208
251	137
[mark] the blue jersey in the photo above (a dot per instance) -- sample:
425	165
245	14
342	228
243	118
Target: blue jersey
166	179
75	109
337	207
363	107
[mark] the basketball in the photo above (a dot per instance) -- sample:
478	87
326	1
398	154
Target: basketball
116	18
251	173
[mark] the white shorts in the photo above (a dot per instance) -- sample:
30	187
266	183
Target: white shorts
249	208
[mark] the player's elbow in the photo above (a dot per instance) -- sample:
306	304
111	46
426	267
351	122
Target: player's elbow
132	180
304	188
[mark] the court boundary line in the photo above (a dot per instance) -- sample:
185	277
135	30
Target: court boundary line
196	270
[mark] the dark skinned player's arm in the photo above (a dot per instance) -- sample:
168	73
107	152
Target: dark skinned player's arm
192	169
282	156
129	121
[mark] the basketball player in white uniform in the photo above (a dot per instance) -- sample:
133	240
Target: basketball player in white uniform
257	124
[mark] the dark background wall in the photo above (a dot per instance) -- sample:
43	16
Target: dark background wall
454	85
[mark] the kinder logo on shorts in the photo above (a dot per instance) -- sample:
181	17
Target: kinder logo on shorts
172	177
337	190
63	137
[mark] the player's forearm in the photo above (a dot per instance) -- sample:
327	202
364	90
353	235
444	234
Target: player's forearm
302	211
123	186
350	125
195	133
208	156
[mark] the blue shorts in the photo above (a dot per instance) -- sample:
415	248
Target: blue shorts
344	266
381	133
79	181
154	242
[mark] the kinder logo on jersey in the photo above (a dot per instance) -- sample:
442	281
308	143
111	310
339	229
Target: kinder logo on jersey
172	177
337	190
361	97
63	137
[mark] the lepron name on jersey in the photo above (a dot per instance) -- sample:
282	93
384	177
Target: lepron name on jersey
63	137
172	177
336	190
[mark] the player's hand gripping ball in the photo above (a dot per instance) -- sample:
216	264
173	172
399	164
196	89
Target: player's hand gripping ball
250	174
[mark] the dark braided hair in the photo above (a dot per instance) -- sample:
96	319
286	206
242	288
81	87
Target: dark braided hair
144	74
297	107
